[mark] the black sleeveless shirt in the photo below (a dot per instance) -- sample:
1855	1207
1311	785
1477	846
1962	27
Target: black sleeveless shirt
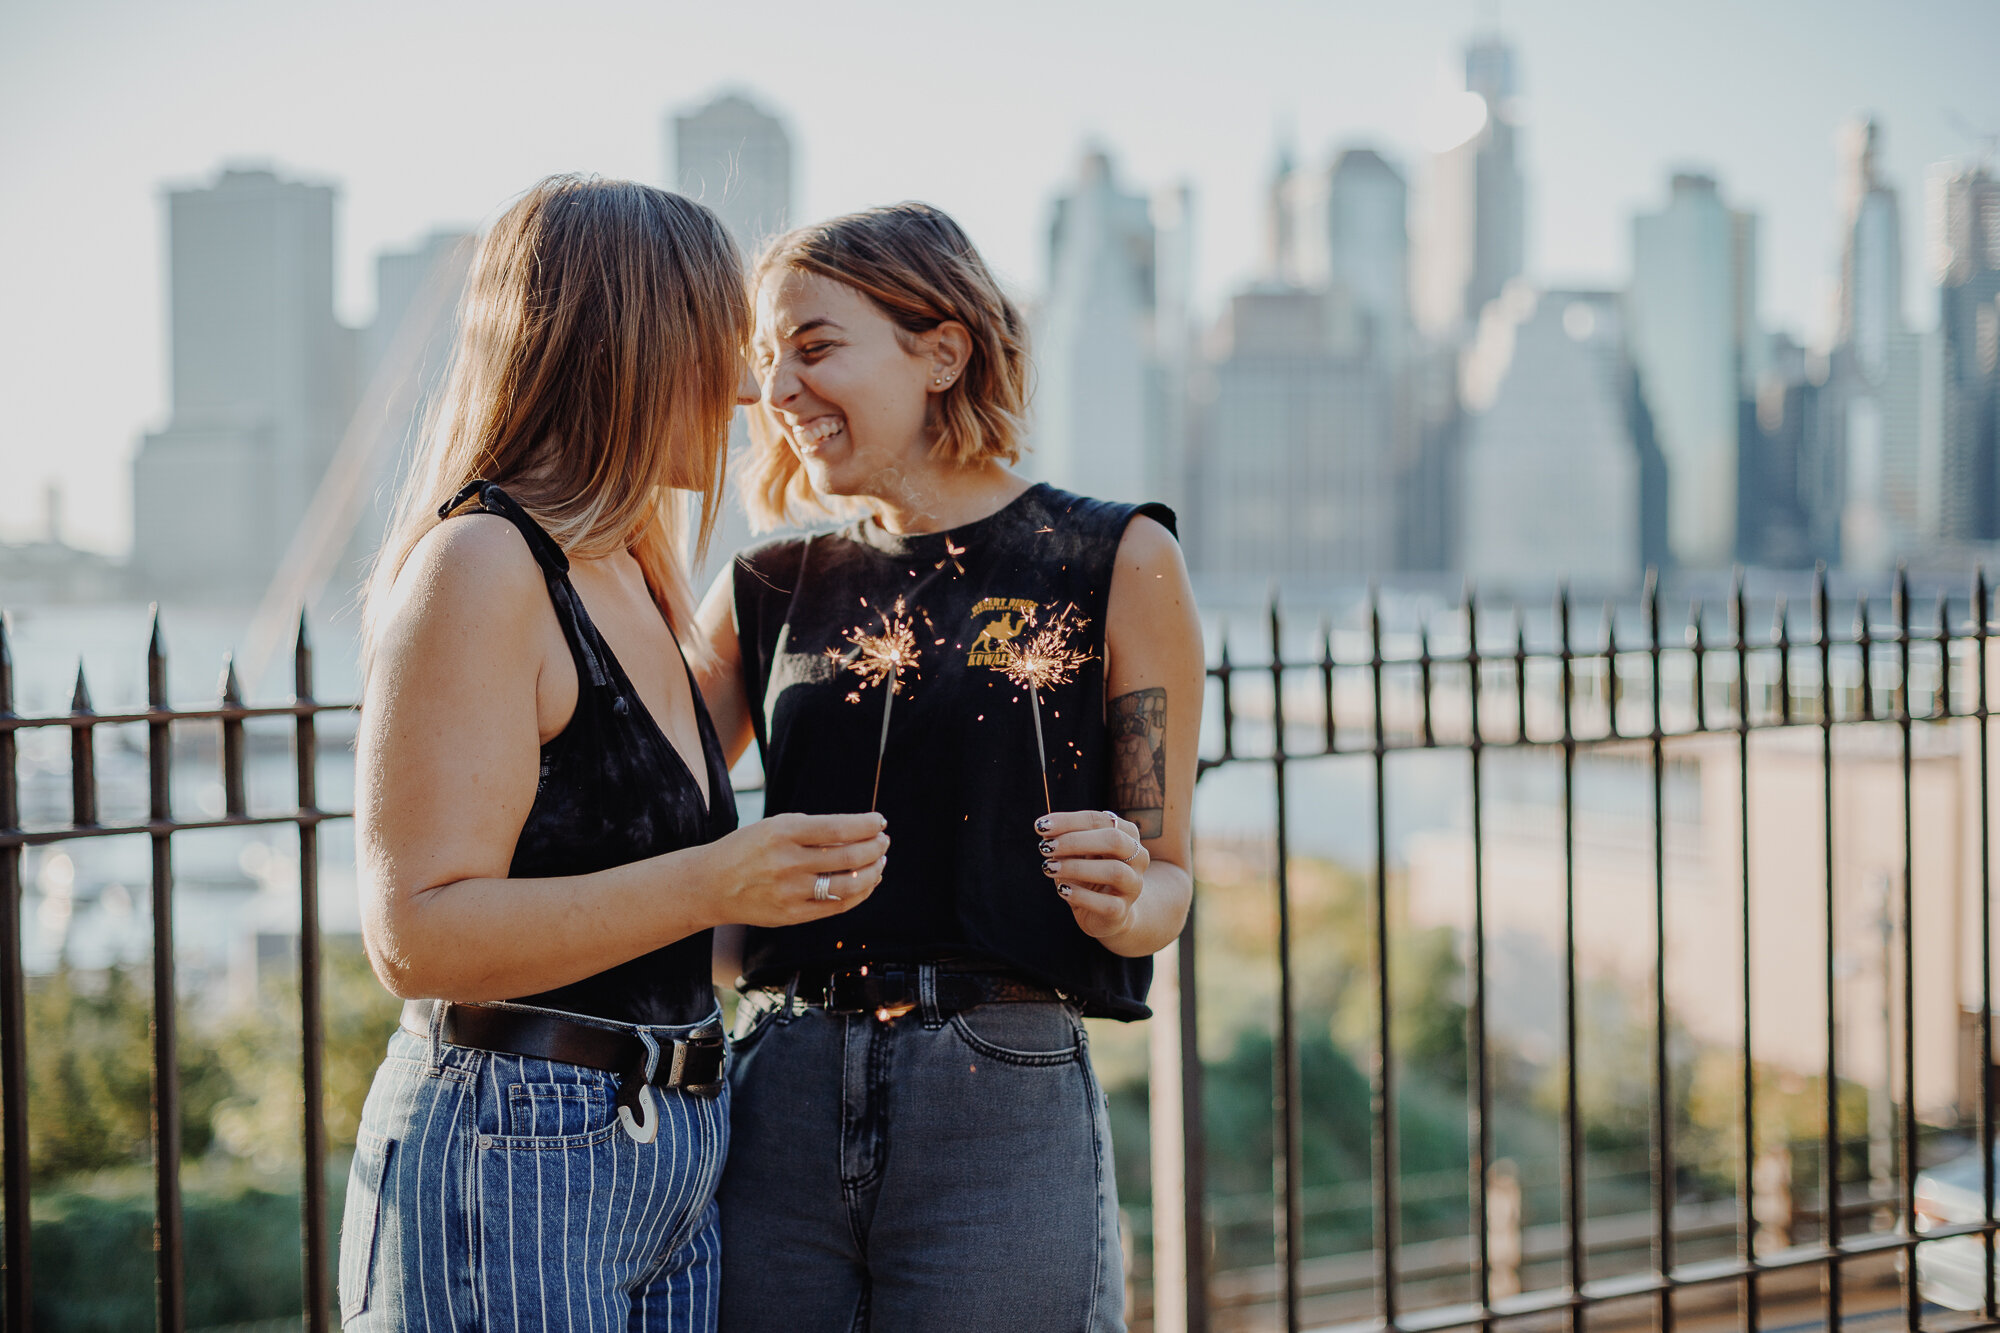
613	790
961	780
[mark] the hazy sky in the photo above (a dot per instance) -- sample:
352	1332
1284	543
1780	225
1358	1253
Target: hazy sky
434	113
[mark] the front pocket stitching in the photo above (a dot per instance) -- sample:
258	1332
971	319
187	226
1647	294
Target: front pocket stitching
1034	1059
516	1141
356	1302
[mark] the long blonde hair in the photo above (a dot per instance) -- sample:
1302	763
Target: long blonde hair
920	269
593	375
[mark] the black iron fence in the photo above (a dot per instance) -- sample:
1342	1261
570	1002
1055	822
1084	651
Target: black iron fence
1569	694
1471	681
228	717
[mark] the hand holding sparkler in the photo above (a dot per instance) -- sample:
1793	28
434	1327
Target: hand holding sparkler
1041	658
881	659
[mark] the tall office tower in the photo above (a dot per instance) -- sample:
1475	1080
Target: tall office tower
262	384
1790	489
1965	248
1295	473
1693	317
1175	349
1561	476
1368	245
1475	231
1876	368
737	159
1096	414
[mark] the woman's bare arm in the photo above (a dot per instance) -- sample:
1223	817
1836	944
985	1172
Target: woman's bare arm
721	676
1129	871
449	754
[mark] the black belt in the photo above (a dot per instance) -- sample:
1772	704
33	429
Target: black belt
889	991
692	1065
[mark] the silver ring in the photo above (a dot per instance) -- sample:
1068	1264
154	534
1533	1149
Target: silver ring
822	888
1137	847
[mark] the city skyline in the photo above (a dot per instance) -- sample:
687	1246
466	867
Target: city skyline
225	85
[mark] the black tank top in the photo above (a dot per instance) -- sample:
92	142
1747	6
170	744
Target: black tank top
613	790
961	782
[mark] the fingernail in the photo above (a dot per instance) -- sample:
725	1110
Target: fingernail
1048	867
1042	824
1048	848
1062	890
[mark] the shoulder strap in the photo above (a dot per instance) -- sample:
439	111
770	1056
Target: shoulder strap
575	621
493	500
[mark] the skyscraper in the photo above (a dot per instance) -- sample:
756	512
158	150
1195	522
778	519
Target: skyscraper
1294	475
1368	246
262	384
1965	245
1561	473
1097	417
1693	319
736	158
1475	233
1876	367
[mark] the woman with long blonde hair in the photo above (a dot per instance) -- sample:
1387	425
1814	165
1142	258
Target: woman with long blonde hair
922	1143
547	833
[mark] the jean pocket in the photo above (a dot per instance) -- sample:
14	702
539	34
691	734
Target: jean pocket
557	1112
1021	1034
361	1221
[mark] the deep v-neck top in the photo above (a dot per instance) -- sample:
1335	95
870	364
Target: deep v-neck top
613	790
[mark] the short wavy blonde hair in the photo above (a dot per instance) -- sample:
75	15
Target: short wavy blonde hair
920	269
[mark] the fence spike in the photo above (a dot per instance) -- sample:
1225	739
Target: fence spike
302	663
82	756
235	800
80	700
156	663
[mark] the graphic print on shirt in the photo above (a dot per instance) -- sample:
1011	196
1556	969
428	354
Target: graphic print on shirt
1006	619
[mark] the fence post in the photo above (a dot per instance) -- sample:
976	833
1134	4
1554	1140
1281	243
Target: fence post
311	1034
13	1018
169	1250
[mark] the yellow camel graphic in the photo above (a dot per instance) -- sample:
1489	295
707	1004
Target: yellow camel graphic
996	632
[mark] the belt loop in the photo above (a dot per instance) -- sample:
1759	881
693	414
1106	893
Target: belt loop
652	1045
927	998
434	1034
789	1011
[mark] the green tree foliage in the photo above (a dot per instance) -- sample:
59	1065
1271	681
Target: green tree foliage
90	1072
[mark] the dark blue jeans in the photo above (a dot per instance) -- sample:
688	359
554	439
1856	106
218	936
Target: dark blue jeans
943	1176
495	1192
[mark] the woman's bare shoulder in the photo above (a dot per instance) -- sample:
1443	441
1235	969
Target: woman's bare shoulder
473	570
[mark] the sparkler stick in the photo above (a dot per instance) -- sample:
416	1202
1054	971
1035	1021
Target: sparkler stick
882	659
1045	659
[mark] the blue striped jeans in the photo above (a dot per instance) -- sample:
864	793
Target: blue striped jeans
496	1192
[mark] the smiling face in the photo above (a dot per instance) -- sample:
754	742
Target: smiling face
849	390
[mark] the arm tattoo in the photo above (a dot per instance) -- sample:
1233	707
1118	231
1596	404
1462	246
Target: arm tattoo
1139	759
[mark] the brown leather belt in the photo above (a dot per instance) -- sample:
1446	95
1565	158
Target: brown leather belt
891	990
692	1065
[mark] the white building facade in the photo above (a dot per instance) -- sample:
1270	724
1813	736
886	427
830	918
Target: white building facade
1552	468
262	378
1693	330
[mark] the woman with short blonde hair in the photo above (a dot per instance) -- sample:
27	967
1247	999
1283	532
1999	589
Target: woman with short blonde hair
546	828
921	1142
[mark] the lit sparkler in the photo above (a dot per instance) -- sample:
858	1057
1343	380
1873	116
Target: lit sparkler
881	659
1040	657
